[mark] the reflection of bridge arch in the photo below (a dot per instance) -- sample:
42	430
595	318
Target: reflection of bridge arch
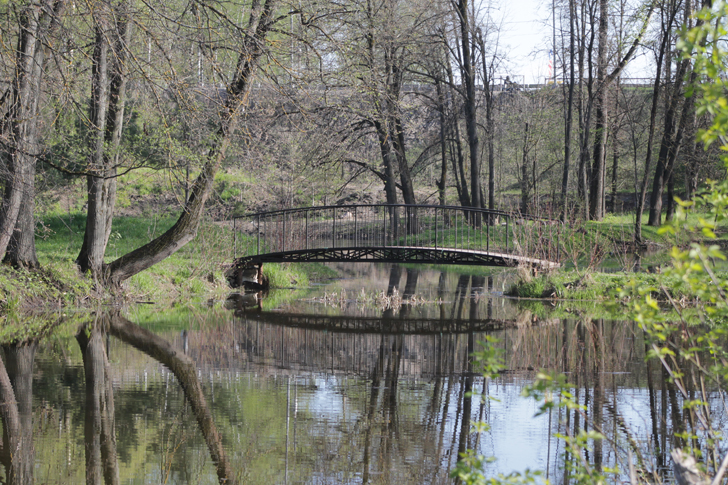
396	233
381	325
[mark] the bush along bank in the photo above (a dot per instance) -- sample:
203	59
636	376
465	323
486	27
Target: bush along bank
595	286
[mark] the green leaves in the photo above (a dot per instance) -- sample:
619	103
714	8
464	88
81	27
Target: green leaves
489	361
553	390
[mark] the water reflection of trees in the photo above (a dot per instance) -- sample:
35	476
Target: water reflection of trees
16	393
601	358
185	370
100	429
402	412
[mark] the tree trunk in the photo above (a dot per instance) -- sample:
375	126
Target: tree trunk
670	209
615	168
470	103
21	249
20	127
107	118
596	186
460	166
408	191
525	195
692	169
185	229
585	55
388	160
569	117
405	177
489	128
672	134
667	145
651	134
442	182
596	200
91	257
675	144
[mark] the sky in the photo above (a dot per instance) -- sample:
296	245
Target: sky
526	41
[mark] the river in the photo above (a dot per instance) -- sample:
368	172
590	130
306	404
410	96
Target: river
365	379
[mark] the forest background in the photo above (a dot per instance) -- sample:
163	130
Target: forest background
201	110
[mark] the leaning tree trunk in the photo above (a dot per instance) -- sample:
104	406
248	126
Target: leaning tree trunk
185	229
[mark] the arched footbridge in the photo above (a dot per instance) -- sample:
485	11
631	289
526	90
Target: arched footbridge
430	234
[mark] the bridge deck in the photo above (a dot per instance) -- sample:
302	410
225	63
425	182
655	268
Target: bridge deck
397	254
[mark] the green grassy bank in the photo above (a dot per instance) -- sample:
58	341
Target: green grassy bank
194	273
596	259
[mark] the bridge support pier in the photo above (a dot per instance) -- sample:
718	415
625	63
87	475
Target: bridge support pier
248	275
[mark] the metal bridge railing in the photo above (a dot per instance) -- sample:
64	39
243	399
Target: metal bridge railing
401	225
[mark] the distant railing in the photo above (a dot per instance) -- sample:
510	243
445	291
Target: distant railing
400	225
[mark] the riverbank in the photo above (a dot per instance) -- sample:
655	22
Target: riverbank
194	273
593	285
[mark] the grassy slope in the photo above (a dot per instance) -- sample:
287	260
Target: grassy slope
194	273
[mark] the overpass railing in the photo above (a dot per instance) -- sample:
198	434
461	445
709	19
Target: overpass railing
400	225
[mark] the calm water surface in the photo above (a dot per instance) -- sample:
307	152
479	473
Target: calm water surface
325	386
